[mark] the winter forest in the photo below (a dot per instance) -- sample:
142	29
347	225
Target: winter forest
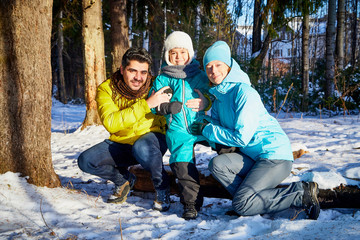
305	49
301	56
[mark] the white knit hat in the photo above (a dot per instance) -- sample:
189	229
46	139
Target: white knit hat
178	39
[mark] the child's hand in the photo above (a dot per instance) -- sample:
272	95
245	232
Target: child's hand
156	98
198	104
167	108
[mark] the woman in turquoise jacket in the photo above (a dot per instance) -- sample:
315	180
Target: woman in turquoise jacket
262	156
183	75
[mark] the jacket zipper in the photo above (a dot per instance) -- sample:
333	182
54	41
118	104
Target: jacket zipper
182	107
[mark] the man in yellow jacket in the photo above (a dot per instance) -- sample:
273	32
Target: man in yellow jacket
136	134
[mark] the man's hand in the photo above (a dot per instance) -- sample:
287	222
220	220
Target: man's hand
197	127
156	98
198	104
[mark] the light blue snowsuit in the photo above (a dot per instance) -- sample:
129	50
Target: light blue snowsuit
183	80
179	139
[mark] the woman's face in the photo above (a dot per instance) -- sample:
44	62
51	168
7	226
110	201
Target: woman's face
217	71
179	56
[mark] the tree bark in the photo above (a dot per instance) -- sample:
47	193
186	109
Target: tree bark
330	49
94	58
256	41
25	90
305	59
60	47
340	35
354	34
197	28
119	32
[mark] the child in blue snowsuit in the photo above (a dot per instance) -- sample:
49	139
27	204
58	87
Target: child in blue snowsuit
182	73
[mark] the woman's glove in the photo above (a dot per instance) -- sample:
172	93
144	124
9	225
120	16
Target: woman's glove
220	149
197	127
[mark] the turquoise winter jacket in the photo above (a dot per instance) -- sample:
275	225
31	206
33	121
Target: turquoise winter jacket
239	119
179	139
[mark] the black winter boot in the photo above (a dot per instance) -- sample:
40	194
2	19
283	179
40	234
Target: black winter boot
189	211
310	200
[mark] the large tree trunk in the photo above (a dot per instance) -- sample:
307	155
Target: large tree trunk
119	32
94	58
305	59
330	49
340	35
25	90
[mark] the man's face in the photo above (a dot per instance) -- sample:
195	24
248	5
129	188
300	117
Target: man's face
135	74
217	71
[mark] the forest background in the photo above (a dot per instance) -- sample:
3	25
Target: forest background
314	81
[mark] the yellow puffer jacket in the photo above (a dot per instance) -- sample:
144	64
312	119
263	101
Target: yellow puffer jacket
126	120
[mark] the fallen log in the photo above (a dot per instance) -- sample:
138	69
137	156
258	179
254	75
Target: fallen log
339	197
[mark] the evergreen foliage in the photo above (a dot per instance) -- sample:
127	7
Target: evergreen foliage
150	21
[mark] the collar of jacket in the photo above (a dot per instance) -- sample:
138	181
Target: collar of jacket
182	71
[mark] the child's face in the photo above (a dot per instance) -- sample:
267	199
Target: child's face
179	56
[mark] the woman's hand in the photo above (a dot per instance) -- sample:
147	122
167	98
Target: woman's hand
198	104
157	98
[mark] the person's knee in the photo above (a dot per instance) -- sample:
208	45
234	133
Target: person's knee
85	163
217	164
243	202
239	207
82	163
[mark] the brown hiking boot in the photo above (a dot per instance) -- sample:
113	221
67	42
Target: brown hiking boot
120	193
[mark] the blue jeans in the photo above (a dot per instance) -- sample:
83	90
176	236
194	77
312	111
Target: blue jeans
253	183
110	160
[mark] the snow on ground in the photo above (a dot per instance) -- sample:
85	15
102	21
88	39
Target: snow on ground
79	210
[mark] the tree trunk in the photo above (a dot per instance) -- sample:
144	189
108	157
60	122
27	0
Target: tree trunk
330	49
60	47
257	62
305	59
25	90
354	34
340	35
315	39
164	38
94	58
197	28
145	33
256	41
119	32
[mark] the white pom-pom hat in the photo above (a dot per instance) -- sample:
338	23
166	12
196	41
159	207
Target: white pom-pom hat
178	39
